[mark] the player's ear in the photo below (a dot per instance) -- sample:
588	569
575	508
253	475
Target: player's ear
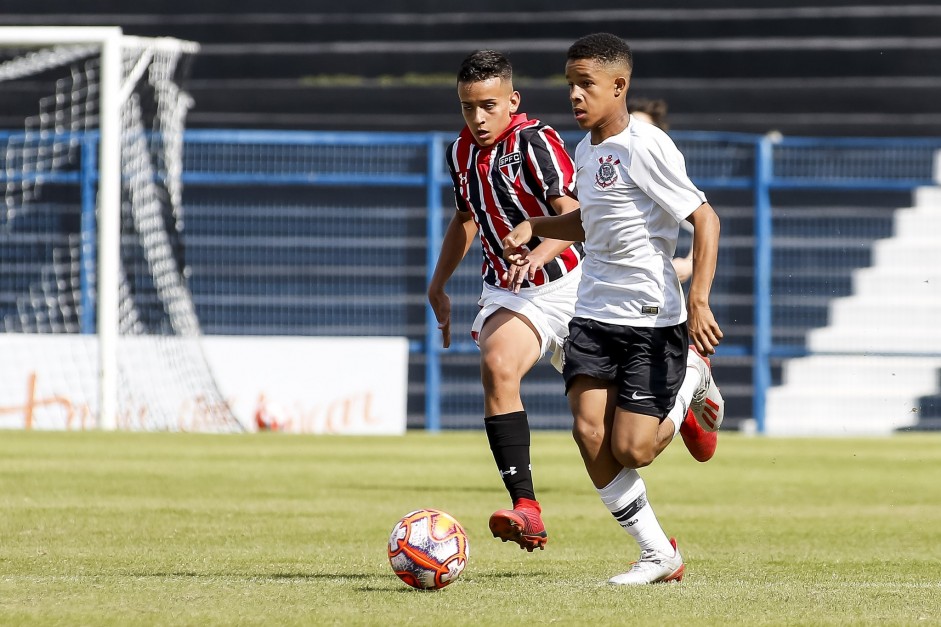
514	101
621	84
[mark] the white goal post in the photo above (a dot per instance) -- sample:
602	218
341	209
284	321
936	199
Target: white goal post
121	64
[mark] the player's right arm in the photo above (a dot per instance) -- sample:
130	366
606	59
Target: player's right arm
457	241
567	226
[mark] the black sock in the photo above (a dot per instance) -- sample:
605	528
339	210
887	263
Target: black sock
509	442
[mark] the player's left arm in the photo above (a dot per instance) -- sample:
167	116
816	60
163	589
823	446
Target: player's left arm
659	169
704	331
532	261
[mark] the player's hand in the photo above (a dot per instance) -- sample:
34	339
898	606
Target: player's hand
441	305
514	244
517	273
520	258
704	331
514	277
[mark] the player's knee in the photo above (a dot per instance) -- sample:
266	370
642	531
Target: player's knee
497	372
633	454
586	434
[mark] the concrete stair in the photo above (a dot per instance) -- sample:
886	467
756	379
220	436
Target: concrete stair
881	351
849	411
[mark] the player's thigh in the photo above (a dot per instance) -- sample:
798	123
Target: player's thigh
509	344
593	402
634	437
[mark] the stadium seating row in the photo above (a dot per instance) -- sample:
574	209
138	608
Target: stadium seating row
825	70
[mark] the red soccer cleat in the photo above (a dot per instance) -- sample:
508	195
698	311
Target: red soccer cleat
522	525
700	443
707	403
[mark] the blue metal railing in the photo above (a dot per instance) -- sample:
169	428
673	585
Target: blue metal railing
716	161
431	348
761	346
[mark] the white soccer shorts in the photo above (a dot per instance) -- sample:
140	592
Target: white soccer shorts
547	307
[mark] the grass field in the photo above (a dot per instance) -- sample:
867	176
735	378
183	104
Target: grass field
118	529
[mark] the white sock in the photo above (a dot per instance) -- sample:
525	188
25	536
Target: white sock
677	415
684	398
626	499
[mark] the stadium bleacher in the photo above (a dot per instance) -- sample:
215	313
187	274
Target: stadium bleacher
264	267
847	67
889	317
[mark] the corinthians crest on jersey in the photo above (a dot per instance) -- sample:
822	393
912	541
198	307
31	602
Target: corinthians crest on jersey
607	174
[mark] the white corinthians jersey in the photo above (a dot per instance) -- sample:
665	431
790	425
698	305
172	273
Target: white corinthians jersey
633	191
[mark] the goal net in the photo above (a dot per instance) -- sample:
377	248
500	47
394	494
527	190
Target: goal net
97	325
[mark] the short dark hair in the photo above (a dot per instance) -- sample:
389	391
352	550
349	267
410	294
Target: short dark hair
483	65
656	109
603	47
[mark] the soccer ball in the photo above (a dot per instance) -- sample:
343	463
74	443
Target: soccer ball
428	549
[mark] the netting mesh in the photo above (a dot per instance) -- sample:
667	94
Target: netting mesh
51	137
164	380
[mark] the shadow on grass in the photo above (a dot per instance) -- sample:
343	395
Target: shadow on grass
393	585
512	574
381	583
256	576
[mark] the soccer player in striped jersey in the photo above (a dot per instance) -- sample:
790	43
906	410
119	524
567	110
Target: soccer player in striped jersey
507	168
626	357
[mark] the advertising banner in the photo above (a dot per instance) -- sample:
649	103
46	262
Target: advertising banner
353	386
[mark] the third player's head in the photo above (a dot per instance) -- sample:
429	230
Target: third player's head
598	71
488	100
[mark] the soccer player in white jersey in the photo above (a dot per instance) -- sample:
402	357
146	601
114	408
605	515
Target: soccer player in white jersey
626	353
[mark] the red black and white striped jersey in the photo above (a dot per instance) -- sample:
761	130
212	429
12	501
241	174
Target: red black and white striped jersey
509	182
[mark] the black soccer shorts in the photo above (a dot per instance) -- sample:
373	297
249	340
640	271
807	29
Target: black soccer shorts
647	364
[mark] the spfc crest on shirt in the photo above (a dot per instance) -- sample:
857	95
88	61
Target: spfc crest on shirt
607	174
510	165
